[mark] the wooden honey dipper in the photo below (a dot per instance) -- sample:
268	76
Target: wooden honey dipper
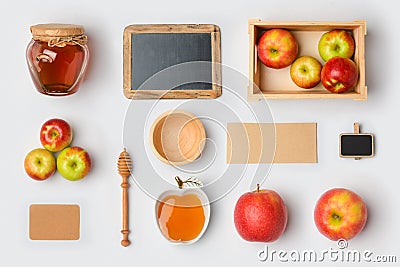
124	169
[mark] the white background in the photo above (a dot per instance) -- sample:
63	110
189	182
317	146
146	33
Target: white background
97	111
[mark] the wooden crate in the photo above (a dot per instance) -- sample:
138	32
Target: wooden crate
277	84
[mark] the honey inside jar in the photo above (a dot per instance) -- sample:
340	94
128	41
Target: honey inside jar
60	69
181	218
57	57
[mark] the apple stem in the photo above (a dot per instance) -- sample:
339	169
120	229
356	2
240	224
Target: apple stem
258	187
179	182
191	182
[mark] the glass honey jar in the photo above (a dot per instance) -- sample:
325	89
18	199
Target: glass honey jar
57	57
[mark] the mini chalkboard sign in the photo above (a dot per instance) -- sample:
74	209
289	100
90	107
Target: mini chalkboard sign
356	145
172	61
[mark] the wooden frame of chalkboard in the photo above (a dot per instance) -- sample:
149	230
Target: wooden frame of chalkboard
134	91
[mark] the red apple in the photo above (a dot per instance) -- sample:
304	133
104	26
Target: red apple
339	74
55	135
336	43
260	216
74	163
40	164
340	214
306	72
277	48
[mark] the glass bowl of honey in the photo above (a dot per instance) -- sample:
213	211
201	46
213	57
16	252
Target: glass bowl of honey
182	215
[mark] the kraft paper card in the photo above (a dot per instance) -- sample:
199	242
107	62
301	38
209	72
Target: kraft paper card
54	222
255	143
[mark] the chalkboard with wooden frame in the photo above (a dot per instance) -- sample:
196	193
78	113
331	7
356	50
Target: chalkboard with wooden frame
356	145
151	49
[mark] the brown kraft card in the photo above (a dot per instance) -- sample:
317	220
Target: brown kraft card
271	143
54	222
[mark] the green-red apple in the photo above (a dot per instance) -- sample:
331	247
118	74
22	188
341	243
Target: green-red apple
55	134
40	164
336	43
340	214
277	48
260	216
306	72
74	163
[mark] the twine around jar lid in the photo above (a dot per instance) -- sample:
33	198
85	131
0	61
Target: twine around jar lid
59	34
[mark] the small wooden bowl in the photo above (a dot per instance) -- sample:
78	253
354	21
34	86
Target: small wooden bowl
177	137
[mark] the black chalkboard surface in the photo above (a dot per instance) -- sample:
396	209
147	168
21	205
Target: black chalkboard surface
172	61
356	145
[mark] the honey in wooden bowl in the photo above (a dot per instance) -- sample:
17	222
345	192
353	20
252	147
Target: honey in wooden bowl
183	215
